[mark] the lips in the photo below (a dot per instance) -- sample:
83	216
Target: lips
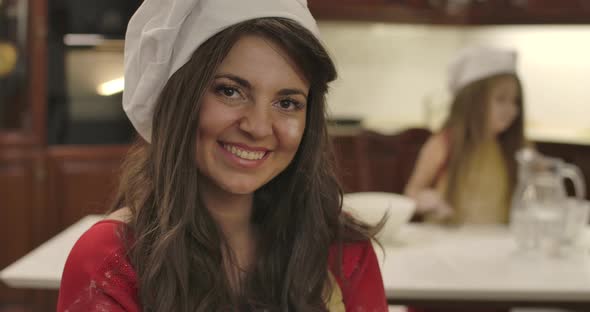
245	152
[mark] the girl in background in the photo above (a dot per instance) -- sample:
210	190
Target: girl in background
466	172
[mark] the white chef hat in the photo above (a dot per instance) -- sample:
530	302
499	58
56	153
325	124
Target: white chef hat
163	34
479	62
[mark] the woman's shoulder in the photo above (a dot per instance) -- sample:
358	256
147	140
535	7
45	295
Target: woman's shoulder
99	248
122	215
353	256
358	276
104	240
105	235
97	270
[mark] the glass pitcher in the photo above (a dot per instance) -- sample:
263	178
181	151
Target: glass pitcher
540	216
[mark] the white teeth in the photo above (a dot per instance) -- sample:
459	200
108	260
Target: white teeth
242	153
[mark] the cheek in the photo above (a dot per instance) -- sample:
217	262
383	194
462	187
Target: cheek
214	117
514	111
509	112
501	113
213	120
497	111
290	133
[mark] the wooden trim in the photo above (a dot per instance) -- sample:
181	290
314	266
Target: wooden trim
16	138
66	165
420	12
361	150
85	151
38	70
17	209
33	131
500	305
394	13
524	17
41	228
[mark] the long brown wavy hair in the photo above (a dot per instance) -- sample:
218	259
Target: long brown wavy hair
467	124
177	248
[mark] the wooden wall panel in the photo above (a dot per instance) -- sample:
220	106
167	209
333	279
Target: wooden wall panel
371	161
386	161
454	12
82	180
383	154
16	209
392	157
351	166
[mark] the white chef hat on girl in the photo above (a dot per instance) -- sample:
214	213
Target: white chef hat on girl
163	34
479	62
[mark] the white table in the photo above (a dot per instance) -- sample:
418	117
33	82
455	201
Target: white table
42	267
480	264
429	263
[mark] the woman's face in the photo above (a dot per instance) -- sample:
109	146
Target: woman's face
252	116
503	104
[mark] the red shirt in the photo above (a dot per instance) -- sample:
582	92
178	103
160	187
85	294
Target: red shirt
99	277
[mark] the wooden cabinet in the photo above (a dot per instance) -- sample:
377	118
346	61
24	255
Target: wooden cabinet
392	164
379	10
17	202
371	161
42	191
351	165
82	180
474	12
22	124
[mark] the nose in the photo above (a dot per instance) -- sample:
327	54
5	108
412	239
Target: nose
257	121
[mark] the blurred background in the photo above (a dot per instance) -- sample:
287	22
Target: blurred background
63	133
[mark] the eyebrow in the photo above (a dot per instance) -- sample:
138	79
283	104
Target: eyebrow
285	92
246	84
239	80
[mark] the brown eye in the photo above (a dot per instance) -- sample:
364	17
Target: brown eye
286	104
228	92
289	105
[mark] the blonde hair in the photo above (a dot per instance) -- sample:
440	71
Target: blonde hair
466	128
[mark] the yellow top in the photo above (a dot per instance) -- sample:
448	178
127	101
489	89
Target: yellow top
334	301
482	190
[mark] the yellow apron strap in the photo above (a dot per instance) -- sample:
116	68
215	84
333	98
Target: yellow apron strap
334	300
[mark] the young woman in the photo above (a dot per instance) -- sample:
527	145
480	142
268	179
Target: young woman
231	202
467	171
